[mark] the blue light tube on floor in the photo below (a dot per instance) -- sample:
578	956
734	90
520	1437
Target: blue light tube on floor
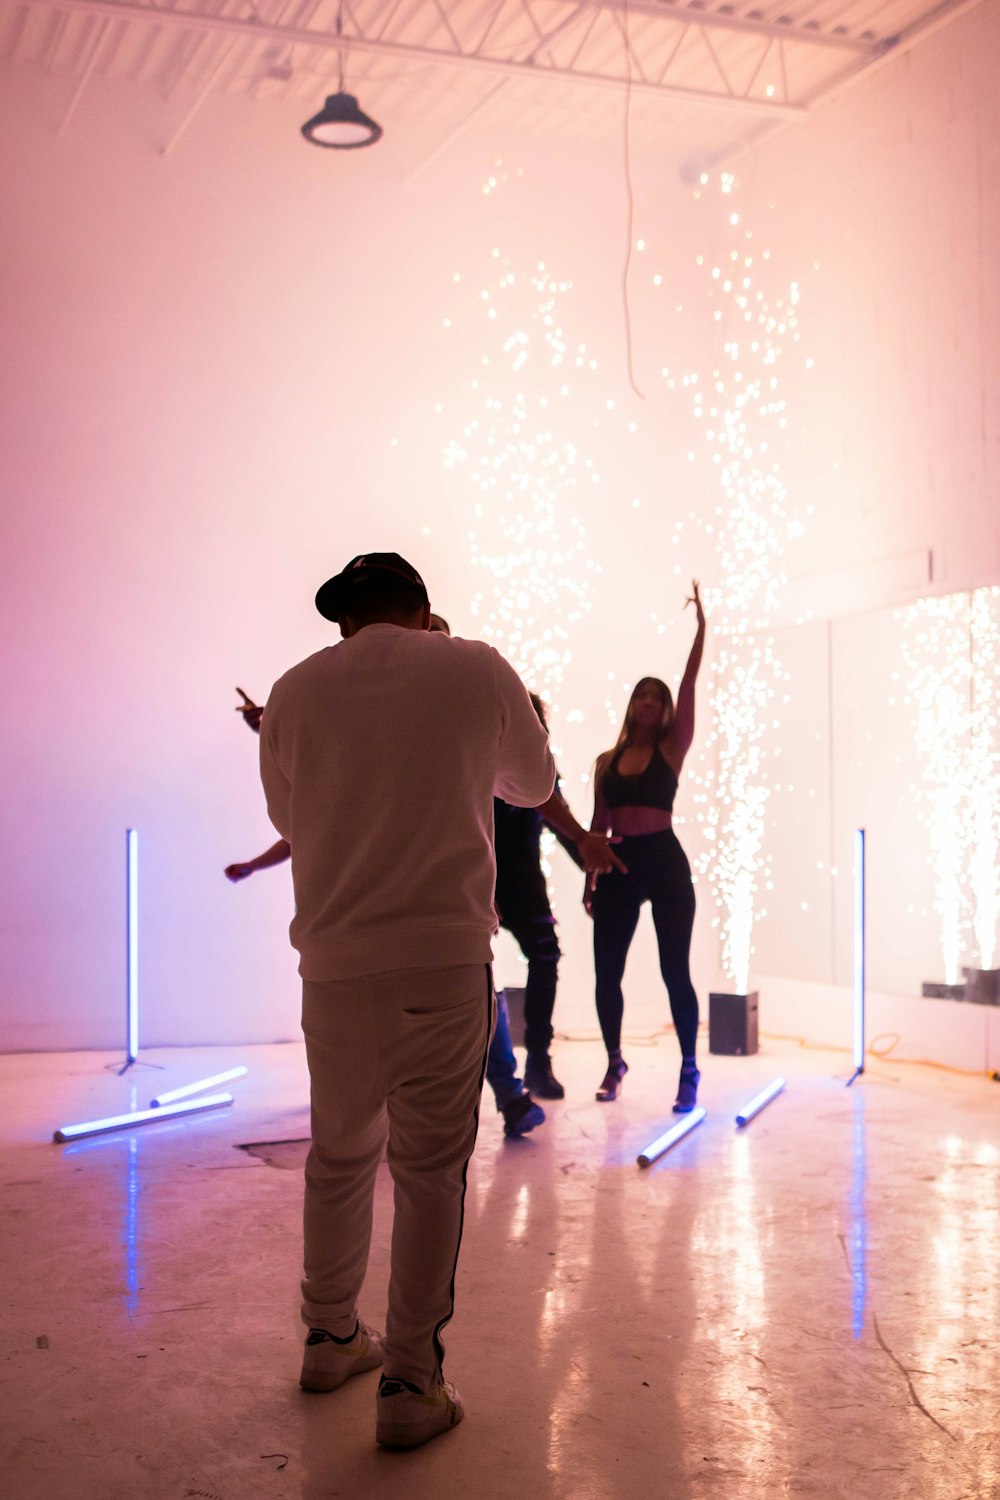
172	1095
131	945
758	1102
137	1117
670	1137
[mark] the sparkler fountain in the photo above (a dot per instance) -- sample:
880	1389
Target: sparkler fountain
744	426
951	652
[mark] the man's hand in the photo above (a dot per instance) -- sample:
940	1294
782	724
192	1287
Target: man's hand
599	859
252	712
276	855
598	856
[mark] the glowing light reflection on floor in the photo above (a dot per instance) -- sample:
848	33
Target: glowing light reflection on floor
857	1235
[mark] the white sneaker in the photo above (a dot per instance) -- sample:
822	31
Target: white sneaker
327	1361
405	1417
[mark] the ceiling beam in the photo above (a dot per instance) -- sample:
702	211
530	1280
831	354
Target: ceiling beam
710	20
84	77
192	20
919	31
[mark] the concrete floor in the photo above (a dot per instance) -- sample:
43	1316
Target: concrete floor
809	1307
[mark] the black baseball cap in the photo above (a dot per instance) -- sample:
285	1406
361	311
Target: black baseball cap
333	599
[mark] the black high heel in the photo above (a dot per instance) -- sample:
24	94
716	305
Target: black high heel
687	1089
611	1083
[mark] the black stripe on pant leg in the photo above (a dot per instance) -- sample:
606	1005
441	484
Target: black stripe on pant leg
438	1346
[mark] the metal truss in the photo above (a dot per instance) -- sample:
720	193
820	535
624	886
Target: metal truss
657	50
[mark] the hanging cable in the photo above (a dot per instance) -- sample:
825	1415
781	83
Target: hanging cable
340	48
630	204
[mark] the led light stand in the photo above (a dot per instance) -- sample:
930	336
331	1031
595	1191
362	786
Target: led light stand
860	976
663	1143
131	957
131	948
138	1117
760	1101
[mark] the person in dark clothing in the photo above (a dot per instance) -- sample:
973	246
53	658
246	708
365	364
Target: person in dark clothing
522	902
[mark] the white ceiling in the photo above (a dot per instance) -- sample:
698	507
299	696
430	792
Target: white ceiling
707	75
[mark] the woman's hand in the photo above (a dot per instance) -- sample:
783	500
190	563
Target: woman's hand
695	599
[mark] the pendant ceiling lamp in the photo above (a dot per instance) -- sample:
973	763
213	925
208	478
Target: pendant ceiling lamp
341	124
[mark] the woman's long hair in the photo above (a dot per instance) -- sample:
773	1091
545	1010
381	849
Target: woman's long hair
627	732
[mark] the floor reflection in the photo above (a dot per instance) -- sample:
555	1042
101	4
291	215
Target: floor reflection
857	1231
131	1235
731	1309
803	1308
129	1232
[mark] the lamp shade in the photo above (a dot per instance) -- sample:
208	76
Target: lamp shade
341	125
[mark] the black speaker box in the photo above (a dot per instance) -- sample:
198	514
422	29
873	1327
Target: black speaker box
732	1024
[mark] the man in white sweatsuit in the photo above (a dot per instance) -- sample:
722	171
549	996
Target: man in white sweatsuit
380	758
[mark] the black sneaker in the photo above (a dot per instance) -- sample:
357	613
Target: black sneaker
521	1115
539	1077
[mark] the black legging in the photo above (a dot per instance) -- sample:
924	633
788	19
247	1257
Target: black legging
658	872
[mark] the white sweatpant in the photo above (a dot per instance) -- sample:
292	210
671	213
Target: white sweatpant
396	1062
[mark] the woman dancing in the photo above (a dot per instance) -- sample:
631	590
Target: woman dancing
634	788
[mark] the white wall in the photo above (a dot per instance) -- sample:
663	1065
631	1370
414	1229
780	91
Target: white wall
228	370
887	204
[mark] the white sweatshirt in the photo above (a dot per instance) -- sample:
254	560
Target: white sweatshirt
380	758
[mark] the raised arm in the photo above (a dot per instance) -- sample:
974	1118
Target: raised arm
681	733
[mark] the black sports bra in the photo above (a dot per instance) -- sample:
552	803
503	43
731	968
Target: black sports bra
656	786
